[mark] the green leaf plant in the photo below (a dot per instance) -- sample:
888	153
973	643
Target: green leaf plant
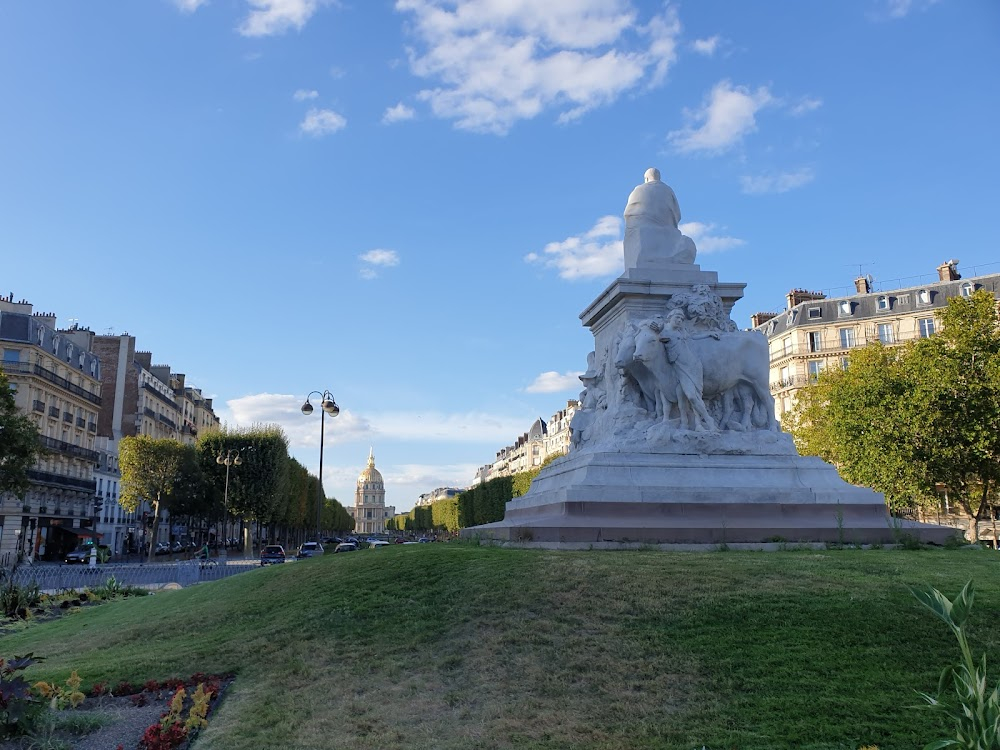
963	694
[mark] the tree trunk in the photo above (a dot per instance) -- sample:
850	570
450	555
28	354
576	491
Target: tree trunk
154	530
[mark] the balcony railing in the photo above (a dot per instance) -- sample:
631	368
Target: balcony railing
27	368
149	412
92	426
58	480
54	411
67	417
69	449
23	368
831	345
167	420
38	406
164	398
793	382
81	422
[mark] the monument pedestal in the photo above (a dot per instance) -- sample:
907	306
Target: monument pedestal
623	499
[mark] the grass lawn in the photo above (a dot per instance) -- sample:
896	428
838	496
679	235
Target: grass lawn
455	646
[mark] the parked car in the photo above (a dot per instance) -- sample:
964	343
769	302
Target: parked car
424	540
162	548
310	549
378	543
345	547
271	554
82	554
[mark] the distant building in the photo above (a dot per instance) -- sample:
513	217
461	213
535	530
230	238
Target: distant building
141	398
816	332
56	380
441	493
530	450
370	511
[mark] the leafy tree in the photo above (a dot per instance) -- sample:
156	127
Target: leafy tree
907	419
151	470
19	446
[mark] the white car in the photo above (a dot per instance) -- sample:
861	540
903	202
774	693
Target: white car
378	543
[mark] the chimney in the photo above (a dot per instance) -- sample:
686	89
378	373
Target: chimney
759	319
863	284
798	296
948	271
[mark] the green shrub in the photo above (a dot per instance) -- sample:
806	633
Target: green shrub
963	694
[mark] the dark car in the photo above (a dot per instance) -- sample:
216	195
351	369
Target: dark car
82	554
271	554
310	549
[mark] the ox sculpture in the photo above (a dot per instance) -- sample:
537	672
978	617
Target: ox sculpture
732	369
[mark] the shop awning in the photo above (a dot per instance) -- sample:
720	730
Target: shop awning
88	533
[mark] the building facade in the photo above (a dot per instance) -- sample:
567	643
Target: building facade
815	332
531	449
370	511
56	381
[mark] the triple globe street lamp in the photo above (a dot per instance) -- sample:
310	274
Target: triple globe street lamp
328	406
232	457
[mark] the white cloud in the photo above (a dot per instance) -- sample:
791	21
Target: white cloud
278	16
706	47
895	9
399	113
284	410
496	62
304	94
381	257
781	182
805	105
320	122
553	382
727	114
707	239
189	6
374	259
595	253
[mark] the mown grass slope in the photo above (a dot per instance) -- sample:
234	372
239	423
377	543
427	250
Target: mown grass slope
456	646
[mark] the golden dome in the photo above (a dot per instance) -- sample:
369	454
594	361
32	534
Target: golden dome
370	475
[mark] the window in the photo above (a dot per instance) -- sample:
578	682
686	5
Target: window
786	375
844	308
967	289
815	341
815	368
883	303
926	327
903	299
815	312
923	297
11	355
786	345
845	362
885	334
846	338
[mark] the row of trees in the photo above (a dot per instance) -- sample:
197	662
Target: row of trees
916	420
269	487
484	503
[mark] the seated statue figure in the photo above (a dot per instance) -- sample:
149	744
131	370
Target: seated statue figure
651	218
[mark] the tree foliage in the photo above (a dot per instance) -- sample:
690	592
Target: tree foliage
152	470
19	446
908	419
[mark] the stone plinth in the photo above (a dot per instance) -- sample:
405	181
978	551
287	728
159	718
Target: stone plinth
610	499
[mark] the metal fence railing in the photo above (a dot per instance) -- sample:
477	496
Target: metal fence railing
152	575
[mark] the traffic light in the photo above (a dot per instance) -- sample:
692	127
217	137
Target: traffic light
98	505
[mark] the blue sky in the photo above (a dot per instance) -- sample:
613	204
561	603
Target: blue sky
409	203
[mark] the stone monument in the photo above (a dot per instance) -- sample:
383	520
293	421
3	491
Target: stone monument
676	442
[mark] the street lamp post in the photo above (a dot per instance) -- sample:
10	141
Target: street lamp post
329	406
231	457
